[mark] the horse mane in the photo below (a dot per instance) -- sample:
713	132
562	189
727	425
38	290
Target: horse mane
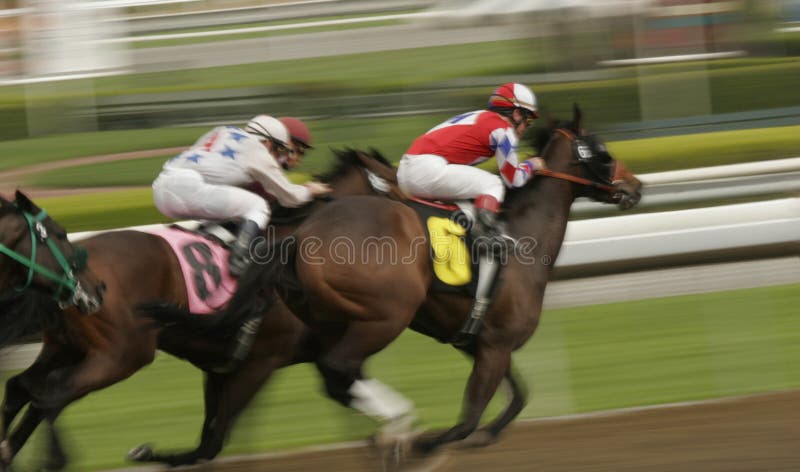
347	158
282	215
539	136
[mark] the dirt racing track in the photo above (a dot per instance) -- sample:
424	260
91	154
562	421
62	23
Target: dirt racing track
752	434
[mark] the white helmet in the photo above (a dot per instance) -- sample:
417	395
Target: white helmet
514	95
267	127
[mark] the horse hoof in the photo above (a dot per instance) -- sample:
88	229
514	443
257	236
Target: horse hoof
425	445
478	439
143	453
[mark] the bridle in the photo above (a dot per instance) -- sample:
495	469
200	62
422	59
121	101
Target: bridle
605	186
68	288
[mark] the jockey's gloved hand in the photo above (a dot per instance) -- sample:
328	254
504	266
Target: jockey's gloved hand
318	188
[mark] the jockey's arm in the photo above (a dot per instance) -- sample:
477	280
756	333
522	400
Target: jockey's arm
265	170
513	172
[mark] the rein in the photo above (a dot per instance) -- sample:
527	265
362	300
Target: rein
67	280
572	178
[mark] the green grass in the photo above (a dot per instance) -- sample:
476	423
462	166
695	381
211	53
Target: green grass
108	174
581	359
390	137
707	149
735	85
24	152
354	73
103	210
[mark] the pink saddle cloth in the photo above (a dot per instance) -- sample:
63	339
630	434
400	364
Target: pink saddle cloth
204	264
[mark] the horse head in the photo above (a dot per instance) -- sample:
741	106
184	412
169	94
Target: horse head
39	256
362	173
575	155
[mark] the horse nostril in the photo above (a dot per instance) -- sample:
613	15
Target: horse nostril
101	288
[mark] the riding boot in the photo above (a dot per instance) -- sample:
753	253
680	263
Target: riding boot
239	258
491	233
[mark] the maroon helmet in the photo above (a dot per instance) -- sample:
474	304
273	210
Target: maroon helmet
297	130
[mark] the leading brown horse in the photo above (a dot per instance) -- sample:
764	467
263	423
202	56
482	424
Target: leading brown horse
360	274
81	354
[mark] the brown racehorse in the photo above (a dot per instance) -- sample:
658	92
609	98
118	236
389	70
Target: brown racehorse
82	354
361	273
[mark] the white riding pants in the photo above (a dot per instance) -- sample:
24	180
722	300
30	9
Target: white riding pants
182	193
431	176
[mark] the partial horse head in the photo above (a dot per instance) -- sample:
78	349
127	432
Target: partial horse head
354	173
362	173
38	256
585	160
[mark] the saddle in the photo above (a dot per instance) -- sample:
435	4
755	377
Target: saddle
451	245
456	256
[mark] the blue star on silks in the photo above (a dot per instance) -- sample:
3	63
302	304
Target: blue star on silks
194	158
505	145
228	152
237	136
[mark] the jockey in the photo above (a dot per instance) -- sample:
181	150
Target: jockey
438	165
301	136
208	180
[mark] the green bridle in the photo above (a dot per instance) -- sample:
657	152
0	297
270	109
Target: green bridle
75	263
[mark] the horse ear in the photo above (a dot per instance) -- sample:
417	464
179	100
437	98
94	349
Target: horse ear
577	117
24	202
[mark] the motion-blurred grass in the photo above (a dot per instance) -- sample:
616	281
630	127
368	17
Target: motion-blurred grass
135	207
581	359
641	155
25	152
738	84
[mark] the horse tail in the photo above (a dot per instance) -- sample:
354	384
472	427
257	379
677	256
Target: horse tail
23	314
253	297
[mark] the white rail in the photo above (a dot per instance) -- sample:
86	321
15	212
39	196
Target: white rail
264	29
628	241
689	236
709	183
722	172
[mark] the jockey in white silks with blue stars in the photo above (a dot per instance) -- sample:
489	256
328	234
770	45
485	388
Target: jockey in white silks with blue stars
208	180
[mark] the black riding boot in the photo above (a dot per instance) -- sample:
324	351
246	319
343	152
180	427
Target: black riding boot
491	233
239	258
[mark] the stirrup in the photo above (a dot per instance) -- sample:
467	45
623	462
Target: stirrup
496	242
238	263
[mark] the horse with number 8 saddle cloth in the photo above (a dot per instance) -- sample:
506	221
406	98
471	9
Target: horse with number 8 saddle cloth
203	259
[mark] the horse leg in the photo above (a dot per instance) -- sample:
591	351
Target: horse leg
56	458
491	365
342	366
519	395
17	395
59	388
226	395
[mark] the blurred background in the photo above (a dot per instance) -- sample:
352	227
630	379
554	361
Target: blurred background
700	97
